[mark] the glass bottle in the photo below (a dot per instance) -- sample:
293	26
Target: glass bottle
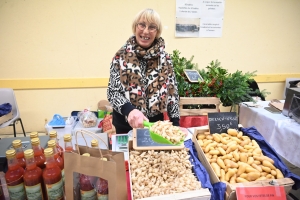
53	136
52	177
39	156
94	143
35	134
14	177
68	143
33	179
87	190
57	158
17	144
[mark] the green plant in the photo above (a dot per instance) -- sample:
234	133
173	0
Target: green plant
231	88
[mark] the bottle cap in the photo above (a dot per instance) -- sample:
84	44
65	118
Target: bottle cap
86	154
67	137
94	143
53	134
48	152
28	153
34	134
51	143
17	143
10	153
35	141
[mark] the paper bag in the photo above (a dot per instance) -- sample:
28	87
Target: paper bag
112	170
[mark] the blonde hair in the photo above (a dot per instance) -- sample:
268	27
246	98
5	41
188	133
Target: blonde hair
150	16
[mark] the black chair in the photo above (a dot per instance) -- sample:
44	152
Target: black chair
255	89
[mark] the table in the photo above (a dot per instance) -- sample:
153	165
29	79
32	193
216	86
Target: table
281	132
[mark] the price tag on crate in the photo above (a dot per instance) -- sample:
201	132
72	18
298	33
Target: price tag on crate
257	193
220	122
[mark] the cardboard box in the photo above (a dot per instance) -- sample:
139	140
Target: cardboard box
198	101
202	194
231	188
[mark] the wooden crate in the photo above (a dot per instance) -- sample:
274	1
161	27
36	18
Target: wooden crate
230	194
198	101
202	194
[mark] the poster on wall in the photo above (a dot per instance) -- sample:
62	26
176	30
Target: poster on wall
199	18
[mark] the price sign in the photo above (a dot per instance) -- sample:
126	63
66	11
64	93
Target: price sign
259	193
143	141
193	75
220	122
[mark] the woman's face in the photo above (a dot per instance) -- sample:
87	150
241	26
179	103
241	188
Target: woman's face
145	33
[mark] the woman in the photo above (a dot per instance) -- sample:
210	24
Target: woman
142	83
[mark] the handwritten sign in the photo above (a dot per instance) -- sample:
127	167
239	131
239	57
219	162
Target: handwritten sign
143	141
193	75
220	122
265	192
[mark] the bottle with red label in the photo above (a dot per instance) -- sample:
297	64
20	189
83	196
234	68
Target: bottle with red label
17	144
39	156
53	136
57	158
52	177
87	190
14	177
33	179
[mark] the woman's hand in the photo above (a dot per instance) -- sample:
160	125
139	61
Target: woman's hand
136	118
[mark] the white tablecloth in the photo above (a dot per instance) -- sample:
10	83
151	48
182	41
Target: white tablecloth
281	132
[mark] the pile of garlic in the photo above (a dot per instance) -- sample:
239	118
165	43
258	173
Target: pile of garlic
155	173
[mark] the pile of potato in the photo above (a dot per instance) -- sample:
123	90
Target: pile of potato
155	173
236	158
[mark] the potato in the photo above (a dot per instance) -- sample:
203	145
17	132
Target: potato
232	179
241	169
267	163
214	152
250	160
279	174
230	163
232	142
251	176
207	142
222	151
262	178
216	137
222	177
209	137
243	175
243	157
236	139
208	147
240	134
200	142
212	160
232	132
231	148
250	169
229	174
273	172
216	169
236	156
241	180
255	166
221	163
200	136
270	176
266	169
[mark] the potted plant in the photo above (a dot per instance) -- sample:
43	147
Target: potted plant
230	88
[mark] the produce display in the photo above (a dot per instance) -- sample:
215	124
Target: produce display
155	173
168	131
236	158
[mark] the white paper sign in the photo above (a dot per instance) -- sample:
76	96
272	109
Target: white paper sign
211	9
211	27
188	8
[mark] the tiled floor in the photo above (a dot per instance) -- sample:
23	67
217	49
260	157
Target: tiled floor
295	194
